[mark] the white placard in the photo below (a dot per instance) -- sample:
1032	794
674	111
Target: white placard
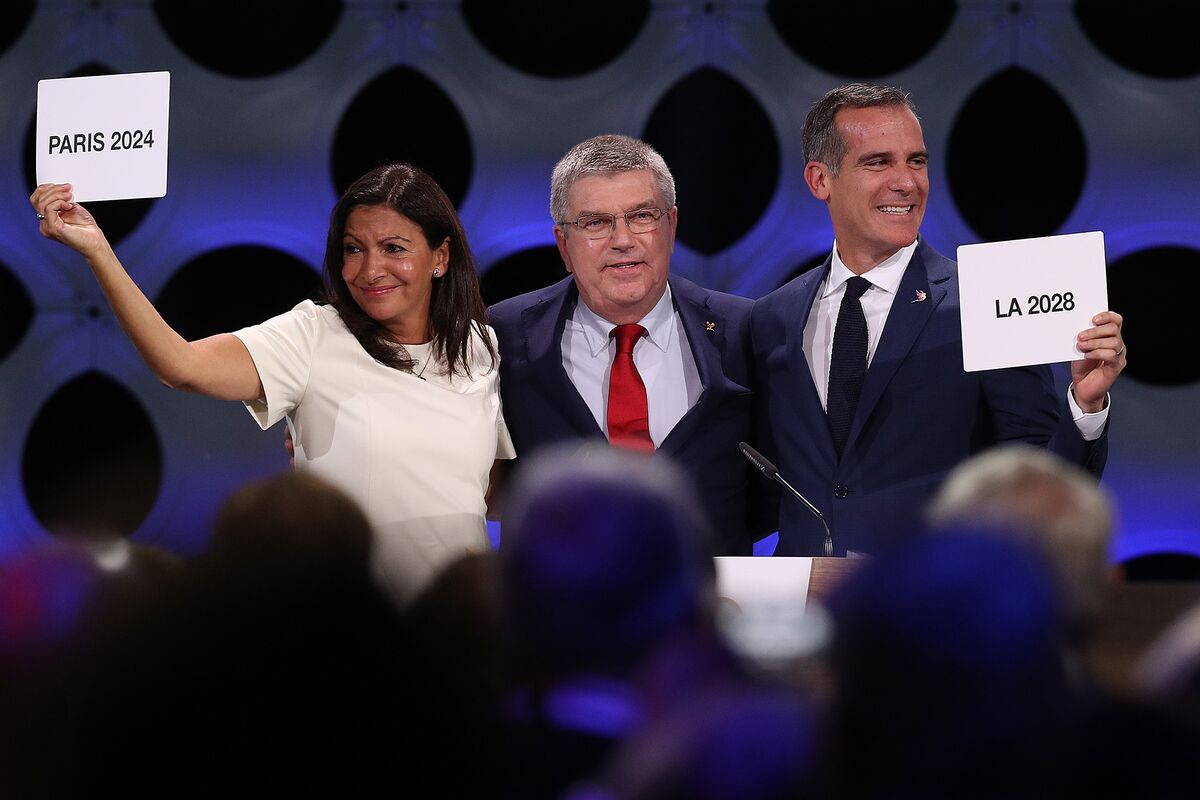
1024	302
764	611
105	135
748	581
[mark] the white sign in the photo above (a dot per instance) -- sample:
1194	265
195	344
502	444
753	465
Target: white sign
764	611
747	581
1025	301
105	135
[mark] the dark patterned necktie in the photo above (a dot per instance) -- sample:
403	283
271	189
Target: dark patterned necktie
848	366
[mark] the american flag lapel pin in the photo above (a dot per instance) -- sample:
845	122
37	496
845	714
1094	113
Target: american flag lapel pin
920	296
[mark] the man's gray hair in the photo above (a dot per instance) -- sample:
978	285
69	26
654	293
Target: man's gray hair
1055	506
1169	671
607	155
822	140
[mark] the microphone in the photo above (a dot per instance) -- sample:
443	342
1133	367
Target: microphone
768	469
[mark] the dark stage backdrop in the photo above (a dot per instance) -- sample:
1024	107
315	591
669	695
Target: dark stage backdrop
1040	117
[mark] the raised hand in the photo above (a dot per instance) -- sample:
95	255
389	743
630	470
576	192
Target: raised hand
218	366
1104	352
66	221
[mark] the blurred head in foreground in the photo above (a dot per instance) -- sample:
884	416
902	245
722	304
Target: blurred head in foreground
1055	507
276	662
604	556
948	667
296	521
1170	670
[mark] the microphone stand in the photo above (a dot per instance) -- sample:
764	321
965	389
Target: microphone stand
768	469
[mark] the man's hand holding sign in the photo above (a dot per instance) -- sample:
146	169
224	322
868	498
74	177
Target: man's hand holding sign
1025	302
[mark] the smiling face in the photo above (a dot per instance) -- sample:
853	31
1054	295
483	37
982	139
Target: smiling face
877	199
388	267
622	276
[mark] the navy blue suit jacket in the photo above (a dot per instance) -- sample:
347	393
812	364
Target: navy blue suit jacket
919	414
542	406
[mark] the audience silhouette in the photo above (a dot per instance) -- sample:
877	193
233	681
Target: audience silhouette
584	660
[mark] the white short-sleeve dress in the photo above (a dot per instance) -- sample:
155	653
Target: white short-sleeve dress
414	449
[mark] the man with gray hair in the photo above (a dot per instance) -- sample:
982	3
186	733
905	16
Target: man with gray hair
621	349
860	361
1056	508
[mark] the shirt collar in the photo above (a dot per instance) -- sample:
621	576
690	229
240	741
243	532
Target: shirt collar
885	275
658	324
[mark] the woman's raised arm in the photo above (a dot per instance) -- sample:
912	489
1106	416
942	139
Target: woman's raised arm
218	366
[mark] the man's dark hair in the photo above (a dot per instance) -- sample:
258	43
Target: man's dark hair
822	140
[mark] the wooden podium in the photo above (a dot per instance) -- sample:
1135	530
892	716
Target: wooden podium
827	573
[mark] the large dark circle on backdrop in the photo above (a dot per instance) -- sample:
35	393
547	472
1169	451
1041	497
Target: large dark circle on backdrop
403	116
723	152
223	290
14	17
1148	37
1015	124
819	33
248	40
117	218
92	461
18	311
555	39
521	272
1154	319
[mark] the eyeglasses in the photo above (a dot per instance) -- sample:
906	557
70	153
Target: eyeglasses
601	226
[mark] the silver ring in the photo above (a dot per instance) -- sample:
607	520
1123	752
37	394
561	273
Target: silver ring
1121	352
41	216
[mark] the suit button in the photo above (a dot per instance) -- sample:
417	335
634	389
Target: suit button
841	492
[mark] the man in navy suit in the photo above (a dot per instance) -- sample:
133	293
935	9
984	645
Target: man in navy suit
613	205
899	422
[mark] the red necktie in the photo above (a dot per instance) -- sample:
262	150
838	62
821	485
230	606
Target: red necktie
628	418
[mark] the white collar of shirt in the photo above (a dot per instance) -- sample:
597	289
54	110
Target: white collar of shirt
663	358
659	324
884	278
885	275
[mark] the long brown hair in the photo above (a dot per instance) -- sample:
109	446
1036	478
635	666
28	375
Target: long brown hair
456	307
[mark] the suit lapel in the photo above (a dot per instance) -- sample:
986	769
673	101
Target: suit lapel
691	303
806	288
906	319
543	324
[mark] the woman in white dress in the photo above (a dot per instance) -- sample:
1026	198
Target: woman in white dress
390	388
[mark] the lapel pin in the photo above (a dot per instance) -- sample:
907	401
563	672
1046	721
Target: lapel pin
920	296
710	326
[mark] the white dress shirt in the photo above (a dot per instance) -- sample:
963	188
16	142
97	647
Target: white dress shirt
663	358
877	304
